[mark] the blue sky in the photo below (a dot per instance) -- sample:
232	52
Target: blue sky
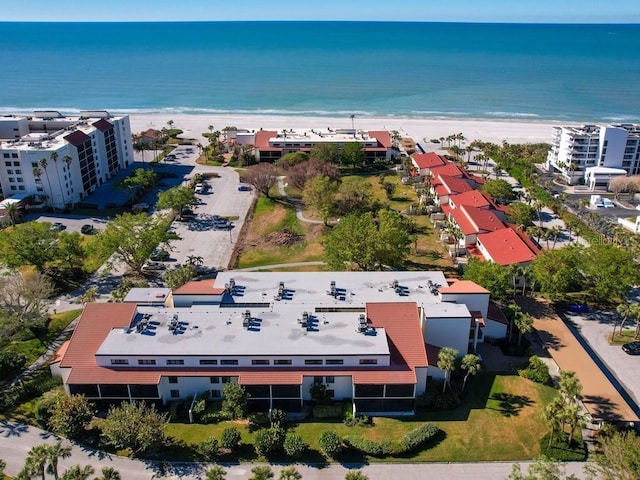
560	11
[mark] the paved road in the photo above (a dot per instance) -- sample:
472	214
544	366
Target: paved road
16	440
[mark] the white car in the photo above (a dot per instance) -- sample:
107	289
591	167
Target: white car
199	188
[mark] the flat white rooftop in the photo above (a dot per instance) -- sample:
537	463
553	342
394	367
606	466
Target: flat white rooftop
217	331
352	289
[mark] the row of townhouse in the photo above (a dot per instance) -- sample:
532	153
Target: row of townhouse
61	159
595	154
372	337
483	232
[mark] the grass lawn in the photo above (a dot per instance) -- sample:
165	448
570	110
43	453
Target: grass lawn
34	347
627	335
266	245
500	419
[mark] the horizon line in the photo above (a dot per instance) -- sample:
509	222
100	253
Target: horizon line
472	22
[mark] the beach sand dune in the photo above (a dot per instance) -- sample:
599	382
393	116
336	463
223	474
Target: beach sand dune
420	129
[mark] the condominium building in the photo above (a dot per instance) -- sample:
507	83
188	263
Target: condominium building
269	146
595	153
61	158
372	337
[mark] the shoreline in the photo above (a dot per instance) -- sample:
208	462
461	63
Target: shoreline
420	129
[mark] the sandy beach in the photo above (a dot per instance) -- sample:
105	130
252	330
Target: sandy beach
419	129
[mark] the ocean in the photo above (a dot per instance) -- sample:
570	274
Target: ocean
584	73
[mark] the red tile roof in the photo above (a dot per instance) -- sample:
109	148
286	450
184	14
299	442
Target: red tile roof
428	160
506	247
475	220
60	353
261	140
463	286
383	137
472	198
199	287
450	169
103	125
77	138
454	185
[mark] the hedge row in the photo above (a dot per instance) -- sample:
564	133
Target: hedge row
328	411
410	442
418	437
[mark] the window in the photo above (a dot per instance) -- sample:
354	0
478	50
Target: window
175	393
215	394
146	362
313	362
21	187
330	393
119	361
34	164
214	379
175	362
6	155
329	379
282	362
20	180
318	379
173	379
13	187
208	362
18	172
228	362
227	379
368	361
9	171
334	361
15	155
259	362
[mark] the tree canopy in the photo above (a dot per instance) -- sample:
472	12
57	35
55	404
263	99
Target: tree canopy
319	195
175	198
352	154
494	277
262	177
499	188
132	238
368	242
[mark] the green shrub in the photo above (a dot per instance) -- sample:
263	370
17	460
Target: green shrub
361	420
434	398
230	438
294	445
419	436
330	443
29	388
328	411
369	447
208	449
259	419
269	441
561	451
277	417
537	371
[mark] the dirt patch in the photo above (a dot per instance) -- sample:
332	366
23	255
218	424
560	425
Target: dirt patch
282	238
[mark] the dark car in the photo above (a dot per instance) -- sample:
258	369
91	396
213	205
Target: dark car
632	348
86	229
578	308
244	188
159	255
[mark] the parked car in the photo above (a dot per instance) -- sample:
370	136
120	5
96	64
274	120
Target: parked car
86	229
186	215
57	227
153	267
200	188
578	308
632	348
140	207
159	255
222	225
244	188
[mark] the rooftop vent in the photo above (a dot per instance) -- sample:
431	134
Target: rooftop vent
281	291
362	323
334	291
246	319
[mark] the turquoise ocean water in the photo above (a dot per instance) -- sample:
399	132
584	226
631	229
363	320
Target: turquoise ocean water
525	71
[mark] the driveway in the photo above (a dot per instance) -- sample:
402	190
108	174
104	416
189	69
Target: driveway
594	329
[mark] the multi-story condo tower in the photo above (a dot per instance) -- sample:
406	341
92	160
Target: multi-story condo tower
596	153
60	158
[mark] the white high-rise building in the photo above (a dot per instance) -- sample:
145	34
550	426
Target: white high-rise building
596	153
62	158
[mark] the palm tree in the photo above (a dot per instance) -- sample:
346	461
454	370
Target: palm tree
140	147
109	473
552	414
624	312
555	232
54	157
261	473
355	475
14	212
44	164
352	117
78	473
524	322
54	453
635	312
36	462
290	473
447	362
470	363
215	473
